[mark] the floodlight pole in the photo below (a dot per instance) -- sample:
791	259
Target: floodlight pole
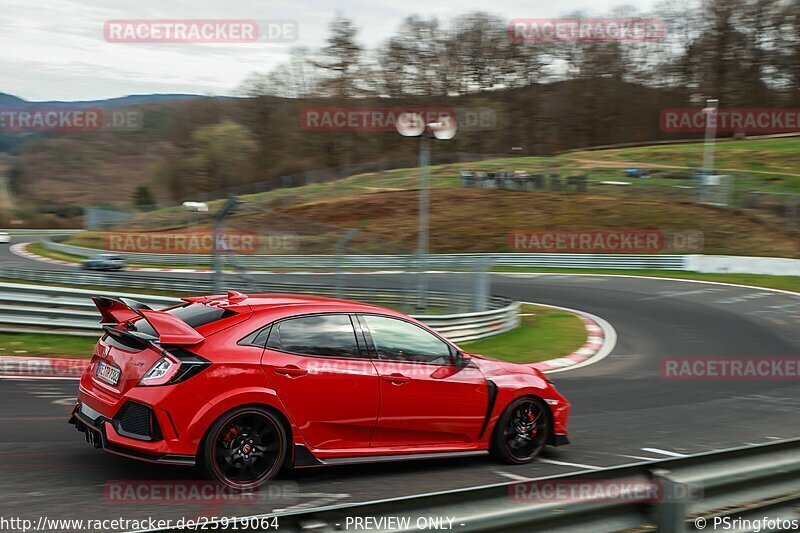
219	225
412	125
711	135
424	219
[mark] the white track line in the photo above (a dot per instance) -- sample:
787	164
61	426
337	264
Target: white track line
639	457
513	477
664	452
562	463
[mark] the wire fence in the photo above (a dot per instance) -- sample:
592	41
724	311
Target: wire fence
737	189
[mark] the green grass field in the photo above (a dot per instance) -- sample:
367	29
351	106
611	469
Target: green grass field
545	333
761	164
39	248
29	344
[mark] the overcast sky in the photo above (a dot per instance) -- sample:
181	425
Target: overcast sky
55	50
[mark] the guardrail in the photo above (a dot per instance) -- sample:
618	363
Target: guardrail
620	261
18	231
49	309
683	494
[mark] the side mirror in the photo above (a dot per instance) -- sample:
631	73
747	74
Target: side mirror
460	360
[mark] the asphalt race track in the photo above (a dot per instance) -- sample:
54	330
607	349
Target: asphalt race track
623	410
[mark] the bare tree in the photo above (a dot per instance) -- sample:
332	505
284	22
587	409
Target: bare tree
341	60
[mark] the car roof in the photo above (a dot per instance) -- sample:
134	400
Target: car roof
302	303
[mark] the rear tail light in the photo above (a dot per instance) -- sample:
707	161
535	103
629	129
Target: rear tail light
160	373
176	366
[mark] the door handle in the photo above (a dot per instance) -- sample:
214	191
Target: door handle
396	379
291	370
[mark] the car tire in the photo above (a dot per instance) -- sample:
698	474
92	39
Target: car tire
521	432
244	448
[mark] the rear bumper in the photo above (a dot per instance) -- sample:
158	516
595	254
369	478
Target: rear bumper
101	432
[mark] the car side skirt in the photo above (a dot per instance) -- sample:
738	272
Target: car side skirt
304	458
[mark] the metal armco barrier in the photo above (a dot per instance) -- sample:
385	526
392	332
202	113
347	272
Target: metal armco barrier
48	309
621	261
14	231
685	494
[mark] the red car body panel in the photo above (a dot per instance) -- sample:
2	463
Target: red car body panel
437	405
334	407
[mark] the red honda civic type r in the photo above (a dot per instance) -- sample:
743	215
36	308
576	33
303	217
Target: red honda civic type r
245	385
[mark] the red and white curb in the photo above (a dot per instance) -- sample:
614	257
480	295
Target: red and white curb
21	249
600	341
13	367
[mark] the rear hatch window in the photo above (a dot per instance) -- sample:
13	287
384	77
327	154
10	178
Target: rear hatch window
195	315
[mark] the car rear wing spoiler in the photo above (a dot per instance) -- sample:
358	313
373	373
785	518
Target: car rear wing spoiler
169	328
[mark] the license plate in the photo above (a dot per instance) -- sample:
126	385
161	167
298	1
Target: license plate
107	373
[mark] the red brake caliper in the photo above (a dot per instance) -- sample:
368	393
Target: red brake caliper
230	435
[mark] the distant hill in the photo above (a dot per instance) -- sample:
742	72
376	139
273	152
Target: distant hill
76	169
130	100
9	100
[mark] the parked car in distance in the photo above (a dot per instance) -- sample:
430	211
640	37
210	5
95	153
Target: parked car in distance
637	173
5	238
104	262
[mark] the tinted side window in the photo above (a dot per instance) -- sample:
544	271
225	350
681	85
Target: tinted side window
399	340
257	338
330	335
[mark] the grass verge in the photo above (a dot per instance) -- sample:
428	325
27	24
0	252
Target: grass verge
32	344
39	248
545	333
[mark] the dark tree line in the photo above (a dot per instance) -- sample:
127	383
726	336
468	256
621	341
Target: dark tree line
546	96
741	51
